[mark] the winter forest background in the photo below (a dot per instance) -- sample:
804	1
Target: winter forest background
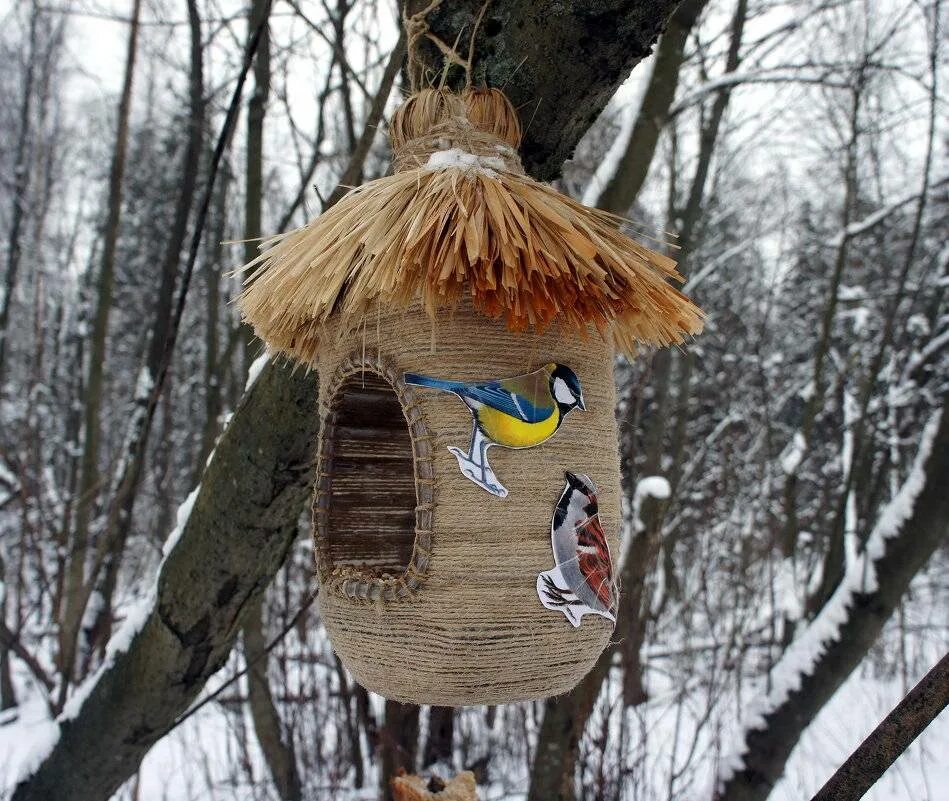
784	547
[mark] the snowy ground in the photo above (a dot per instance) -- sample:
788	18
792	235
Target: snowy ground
209	759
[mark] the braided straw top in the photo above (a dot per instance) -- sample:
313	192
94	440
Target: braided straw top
482	124
460	218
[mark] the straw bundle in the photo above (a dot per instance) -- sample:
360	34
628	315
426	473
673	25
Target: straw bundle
459	217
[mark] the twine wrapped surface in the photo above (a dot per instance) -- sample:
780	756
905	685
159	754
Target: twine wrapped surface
460	219
473	630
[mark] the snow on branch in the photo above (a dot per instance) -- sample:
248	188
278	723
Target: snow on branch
732	79
606	169
256	368
804	654
862	226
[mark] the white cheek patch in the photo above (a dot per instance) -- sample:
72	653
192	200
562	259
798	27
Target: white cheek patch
562	392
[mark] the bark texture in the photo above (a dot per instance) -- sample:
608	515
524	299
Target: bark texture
558	62
891	738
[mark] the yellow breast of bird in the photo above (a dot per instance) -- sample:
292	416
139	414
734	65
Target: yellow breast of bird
514	433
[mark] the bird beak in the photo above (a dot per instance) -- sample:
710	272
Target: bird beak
581	405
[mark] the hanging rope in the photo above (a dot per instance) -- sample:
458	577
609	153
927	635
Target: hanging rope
417	30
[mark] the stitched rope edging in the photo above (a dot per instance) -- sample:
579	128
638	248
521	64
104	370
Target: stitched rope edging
361	583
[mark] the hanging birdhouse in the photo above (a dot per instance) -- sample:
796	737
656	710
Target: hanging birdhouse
463	319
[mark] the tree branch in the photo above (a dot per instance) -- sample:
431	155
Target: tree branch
909	530
891	738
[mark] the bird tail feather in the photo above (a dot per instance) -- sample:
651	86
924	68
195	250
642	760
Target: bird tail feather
432	383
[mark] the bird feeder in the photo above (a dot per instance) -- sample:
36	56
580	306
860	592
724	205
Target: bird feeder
463	319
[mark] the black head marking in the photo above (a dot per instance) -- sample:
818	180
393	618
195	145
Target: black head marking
572	383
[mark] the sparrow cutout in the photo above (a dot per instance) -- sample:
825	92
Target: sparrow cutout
519	412
581	582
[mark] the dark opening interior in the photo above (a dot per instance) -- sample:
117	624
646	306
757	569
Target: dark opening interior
371	493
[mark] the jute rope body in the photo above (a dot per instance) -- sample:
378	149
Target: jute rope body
473	630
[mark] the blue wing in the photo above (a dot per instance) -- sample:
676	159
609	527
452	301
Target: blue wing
433	383
497	397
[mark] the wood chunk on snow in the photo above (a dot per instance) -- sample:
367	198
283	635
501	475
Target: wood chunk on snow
414	788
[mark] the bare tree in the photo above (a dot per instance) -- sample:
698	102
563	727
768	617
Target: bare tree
89	472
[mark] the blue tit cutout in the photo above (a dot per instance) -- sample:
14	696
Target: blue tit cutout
581	581
519	412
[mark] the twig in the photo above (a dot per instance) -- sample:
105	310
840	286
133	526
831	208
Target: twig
250	663
891	738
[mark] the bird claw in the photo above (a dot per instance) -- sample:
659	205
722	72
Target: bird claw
555	594
480	474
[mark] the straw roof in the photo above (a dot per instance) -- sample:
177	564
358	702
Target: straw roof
459	217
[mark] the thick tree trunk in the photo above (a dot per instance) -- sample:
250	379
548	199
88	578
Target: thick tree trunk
559	63
918	535
242	526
